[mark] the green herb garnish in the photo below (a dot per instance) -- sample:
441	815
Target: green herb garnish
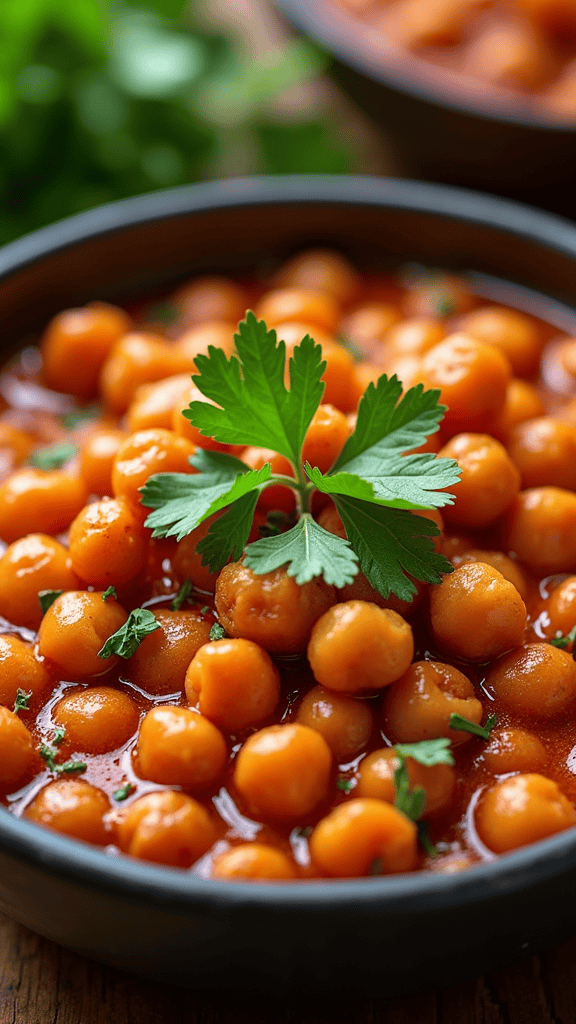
424	839
428	752
21	702
59	734
123	792
277	523
564	641
181	596
205	608
373	484
76	417
110	592
126	640
164	312
47	598
462	724
68	767
217	632
345	785
54	456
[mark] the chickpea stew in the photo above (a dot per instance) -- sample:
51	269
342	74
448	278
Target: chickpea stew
242	724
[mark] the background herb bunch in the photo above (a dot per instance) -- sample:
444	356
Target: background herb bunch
375	486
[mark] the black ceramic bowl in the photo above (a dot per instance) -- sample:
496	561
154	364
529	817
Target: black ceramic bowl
373	936
464	136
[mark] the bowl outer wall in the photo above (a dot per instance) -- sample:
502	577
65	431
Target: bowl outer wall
376	936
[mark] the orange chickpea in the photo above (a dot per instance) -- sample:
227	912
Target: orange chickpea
522	403
76	344
97	459
19	669
560	97
300	304
208	298
153	404
536	679
511	54
283	771
108	543
561	608
197	340
521	810
472	378
187	561
541	529
514	750
357	647
166	828
435	293
488	484
508	568
178	747
271	609
419	706
544	450
276	497
135	360
345	722
376	779
160	663
235	683
96	719
39	501
74	807
320	270
17	442
75	628
145	453
325	437
32	564
16	744
368	325
514	333
341	385
414	337
362	835
476	613
255	862
185	429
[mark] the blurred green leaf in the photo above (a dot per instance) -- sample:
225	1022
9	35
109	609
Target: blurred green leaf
301	148
148	61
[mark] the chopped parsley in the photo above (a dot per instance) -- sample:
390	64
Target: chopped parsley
217	632
76	417
124	792
181	596
110	592
428	752
68	768
55	456
22	699
345	785
425	841
374	485
462	724
564	641
126	640
164	313
47	598
204	609
59	734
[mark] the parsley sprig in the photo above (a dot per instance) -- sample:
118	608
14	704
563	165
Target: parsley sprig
428	753
374	485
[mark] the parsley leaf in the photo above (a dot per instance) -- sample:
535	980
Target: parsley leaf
256	407
409	801
427	752
126	640
68	768
308	550
124	792
345	785
217	632
54	456
183	593
425	841
110	592
76	417
227	535
564	641
59	735
402	481
47	598
465	725
22	699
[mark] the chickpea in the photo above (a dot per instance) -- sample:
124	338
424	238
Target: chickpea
341	386
145	453
39	501
77	342
477	614
209	298
357	647
514	333
254	862
283	771
166	828
520	810
345	722
505	565
414	337
514	750
325	437
561	608
376	779
108	543
153	404
97	459
16	744
541	529
488	484
369	325
73	807
300	304
187	561
271	609
32	564
544	451
180	748
536	679
75	628
19	670
361	835
235	683
197	340
434	293
96	719
276	497
522	403
160	663
139	358
472	378
320	270
419	706
18	443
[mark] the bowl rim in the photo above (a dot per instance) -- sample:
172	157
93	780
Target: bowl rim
65	858
400	70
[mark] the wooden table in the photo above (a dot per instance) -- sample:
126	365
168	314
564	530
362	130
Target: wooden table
40	983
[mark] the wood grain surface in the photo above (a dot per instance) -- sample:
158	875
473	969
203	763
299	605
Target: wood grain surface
41	983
